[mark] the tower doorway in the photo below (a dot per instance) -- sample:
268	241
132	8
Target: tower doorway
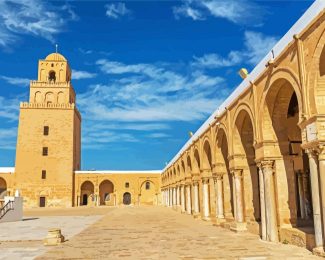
126	198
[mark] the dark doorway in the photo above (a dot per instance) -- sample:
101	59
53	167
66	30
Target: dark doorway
127	198
84	199
42	202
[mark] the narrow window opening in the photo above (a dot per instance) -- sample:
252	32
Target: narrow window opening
127	185
52	76
45	151
147	185
43	174
42	202
46	130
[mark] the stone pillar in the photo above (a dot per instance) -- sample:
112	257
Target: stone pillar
239	225
238	177
315	187
219	196
188	200
170	197
262	202
182	199
301	191
206	199
196	198
308	202
174	197
269	195
177	196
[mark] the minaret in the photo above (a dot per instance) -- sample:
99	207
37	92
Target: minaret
49	135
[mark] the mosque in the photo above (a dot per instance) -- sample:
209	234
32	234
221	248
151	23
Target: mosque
48	153
256	165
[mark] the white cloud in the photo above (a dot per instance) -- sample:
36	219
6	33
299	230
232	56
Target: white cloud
79	74
116	10
8	138
214	60
23	82
187	11
256	46
236	11
158	135
9	108
37	18
151	94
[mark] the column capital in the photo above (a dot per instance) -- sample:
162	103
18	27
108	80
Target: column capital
205	180
265	164
237	173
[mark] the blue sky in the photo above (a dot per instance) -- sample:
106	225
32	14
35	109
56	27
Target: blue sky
145	72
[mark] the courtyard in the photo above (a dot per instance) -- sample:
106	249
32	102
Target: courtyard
133	233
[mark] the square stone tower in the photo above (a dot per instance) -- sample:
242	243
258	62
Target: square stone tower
49	135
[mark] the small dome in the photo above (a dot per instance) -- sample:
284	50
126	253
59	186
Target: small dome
55	57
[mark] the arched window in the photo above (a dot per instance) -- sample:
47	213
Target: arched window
147	185
52	76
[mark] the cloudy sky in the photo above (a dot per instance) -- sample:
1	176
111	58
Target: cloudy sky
145	72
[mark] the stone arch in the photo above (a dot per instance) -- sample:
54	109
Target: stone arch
196	165
148	193
60	98
315	76
49	98
106	193
178	170
222	164
3	188
87	193
280	115
183	169
189	165
206	155
284	76
244	146
38	97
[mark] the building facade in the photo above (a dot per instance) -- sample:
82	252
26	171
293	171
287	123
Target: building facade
48	153
258	163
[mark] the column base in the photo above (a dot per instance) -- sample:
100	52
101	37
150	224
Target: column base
319	251
196	215
206	218
219	221
238	227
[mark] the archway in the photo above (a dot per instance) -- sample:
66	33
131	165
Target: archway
148	193
280	128
127	198
106	190
87	193
3	188
244	147
223	169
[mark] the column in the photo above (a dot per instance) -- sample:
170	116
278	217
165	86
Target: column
262	202
170	197
219	199
315	187
177	196
308	202
238	176
188	199
206	206
269	195
301	194
182	199
196	198
174	197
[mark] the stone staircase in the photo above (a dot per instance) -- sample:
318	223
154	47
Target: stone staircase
6	208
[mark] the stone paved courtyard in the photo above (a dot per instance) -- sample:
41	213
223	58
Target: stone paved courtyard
149	233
